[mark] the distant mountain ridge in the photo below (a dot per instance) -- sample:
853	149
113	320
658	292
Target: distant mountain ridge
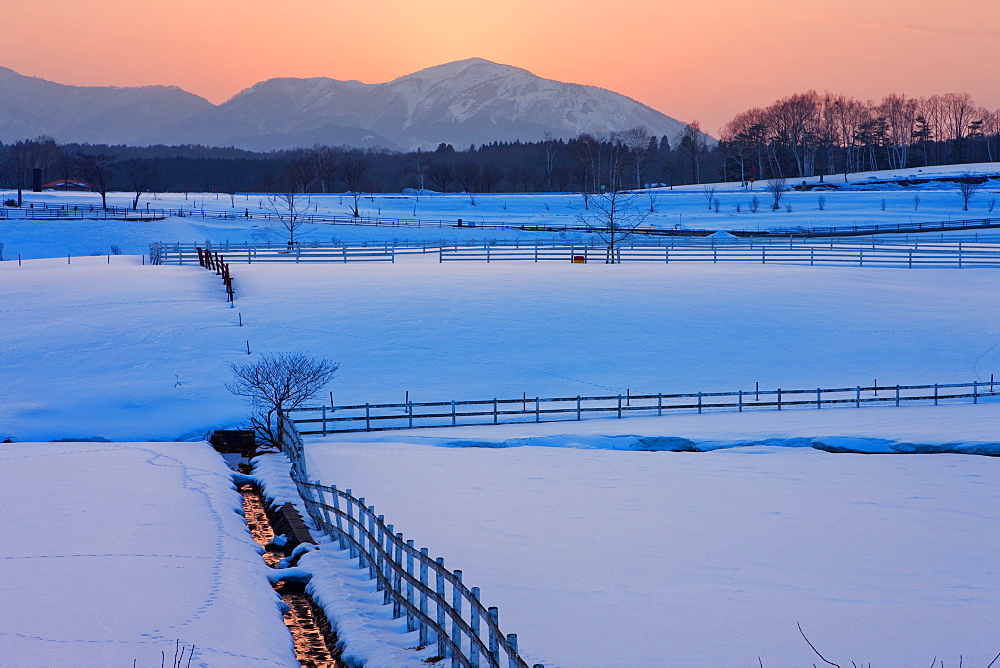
470	101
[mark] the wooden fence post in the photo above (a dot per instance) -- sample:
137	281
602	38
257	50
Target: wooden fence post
379	559
975	391
452	412
474	623
324	420
779	398
494	640
819	403
424	640
741	402
578	407
935	394
699	403
538	412
362	562
857	397
897	395
340	525
619	407
456	603
368	417
659	404
409	412
352	550
512	641
410	619
438	603
371	540
397	578
495	412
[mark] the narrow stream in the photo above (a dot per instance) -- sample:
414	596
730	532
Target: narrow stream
315	643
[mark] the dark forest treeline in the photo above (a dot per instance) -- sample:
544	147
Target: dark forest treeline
810	134
584	163
802	135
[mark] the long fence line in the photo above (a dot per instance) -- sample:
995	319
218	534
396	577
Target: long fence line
78	211
790	251
333	419
434	600
46	211
820	255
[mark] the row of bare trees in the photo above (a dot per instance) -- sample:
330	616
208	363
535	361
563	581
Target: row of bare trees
20	160
811	133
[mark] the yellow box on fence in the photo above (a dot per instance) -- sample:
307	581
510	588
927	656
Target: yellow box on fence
579	259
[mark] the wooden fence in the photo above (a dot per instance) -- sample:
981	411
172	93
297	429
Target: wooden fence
47	211
957	256
215	262
664	250
883	228
165	253
413	415
434	600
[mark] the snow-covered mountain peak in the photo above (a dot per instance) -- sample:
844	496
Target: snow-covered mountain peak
468	101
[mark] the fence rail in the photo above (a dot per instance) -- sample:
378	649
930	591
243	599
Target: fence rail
434	600
664	250
324	420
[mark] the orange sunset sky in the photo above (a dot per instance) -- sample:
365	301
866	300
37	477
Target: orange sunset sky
697	59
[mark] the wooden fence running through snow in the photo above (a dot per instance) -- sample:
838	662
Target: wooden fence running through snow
799	252
413	415
434	600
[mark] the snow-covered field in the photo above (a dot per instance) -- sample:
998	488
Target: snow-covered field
684	207
609	558
596	554
131	352
115	552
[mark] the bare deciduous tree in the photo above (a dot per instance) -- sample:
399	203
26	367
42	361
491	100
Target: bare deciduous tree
290	210
709	192
777	188
614	217
550	148
490	176
19	160
968	186
441	175
418	173
692	145
354	171
96	171
467	174
278	383
141	177
641	150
